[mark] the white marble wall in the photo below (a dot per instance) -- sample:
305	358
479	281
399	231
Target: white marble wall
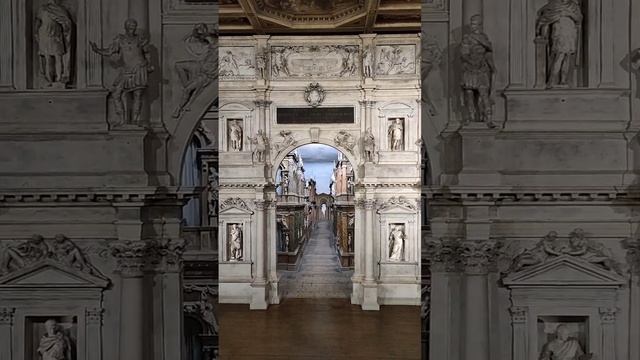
255	100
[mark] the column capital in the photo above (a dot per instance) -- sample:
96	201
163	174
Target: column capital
6	315
131	256
368	103
262	103
442	254
477	256
633	254
93	315
518	314
260	204
369	204
608	314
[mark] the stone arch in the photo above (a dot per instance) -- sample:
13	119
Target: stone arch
181	133
353	159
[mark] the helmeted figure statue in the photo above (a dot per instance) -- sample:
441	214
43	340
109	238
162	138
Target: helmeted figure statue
236	243
368	144
563	347
559	22
396	135
396	243
478	71
133	51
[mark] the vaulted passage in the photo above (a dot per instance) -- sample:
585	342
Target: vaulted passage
320	274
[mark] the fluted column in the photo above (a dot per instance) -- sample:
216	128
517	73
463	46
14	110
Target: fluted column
131	263
259	298
273	258
6	338
608	323
93	323
370	287
476	257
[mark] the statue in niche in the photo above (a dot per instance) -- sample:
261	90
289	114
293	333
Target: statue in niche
235	248
478	71
396	135
284	238
205	308
350	185
350	242
369	145
195	75
285	183
559	24
261	143
367	62
54	28
235	135
55	344
132	50
17	257
396	243
212	191
563	347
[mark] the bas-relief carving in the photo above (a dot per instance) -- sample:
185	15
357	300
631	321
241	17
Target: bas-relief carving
368	62
262	57
55	344
261	145
131	52
316	60
395	59
36	249
559	40
397	238
235	132
212	191
399	201
577	245
287	141
237	61
54	30
198	73
345	139
234	202
478	73
395	134
235	243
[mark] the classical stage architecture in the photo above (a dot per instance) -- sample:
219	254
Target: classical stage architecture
107	224
531	113
359	94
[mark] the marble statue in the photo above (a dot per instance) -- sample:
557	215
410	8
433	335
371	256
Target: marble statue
478	71
369	144
559	24
349	62
563	347
235	135
205	308
324	210
236	243
350	185
349	242
332	185
16	257
195	75
367	62
396	243
396	135
287	140
212	191
132	50
261	143
539	253
55	344
285	184
54	29
66	252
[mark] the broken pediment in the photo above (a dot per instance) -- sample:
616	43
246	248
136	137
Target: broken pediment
564	271
50	273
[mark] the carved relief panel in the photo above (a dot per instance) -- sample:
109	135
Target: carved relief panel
237	62
315	61
396	60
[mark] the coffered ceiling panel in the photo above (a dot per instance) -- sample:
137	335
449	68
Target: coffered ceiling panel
318	16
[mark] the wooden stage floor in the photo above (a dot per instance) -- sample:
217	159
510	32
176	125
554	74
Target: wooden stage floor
328	329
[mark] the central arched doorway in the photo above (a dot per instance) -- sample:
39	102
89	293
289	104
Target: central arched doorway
315	223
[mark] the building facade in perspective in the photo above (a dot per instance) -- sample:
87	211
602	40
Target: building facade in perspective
530	247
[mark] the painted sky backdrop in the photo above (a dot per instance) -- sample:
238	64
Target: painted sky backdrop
318	163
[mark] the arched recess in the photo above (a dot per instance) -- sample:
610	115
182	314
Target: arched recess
353	159
185	127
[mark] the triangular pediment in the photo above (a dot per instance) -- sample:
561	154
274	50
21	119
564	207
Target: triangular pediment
398	206
233	210
49	273
566	271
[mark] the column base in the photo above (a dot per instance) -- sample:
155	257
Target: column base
274	296
370	297
258	297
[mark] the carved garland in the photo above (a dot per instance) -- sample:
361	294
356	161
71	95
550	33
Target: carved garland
400	201
234	202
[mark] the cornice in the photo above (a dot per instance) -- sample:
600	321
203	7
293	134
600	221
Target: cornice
122	195
530	194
